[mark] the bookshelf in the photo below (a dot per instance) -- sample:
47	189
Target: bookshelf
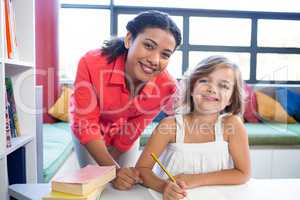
21	69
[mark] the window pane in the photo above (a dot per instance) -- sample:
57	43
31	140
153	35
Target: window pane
175	64
122	22
278	33
280	67
241	59
124	19
92	2
80	31
220	31
253	5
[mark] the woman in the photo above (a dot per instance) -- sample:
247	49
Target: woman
120	89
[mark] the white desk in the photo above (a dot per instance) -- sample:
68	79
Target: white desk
256	189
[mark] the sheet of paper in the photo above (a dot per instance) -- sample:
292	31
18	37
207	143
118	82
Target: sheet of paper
202	193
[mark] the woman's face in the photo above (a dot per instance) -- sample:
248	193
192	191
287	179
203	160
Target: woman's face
212	93
148	54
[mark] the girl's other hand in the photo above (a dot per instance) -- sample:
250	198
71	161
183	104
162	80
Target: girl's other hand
126	178
186	178
174	191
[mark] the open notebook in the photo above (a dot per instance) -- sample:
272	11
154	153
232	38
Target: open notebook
202	193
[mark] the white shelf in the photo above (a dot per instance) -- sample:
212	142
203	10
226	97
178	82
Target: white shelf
19	142
21	70
18	63
15	67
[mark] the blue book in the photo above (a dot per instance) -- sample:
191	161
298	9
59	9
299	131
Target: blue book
16	166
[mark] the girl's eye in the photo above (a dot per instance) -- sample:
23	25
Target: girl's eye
224	86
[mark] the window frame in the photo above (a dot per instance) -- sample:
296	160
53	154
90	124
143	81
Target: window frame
253	49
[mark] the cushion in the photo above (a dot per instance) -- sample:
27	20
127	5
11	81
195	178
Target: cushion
57	147
161	115
270	110
250	114
258	133
60	109
290	101
273	133
147	133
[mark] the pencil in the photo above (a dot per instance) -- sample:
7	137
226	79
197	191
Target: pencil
164	169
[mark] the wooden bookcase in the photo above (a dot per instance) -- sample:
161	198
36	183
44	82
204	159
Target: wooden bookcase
21	69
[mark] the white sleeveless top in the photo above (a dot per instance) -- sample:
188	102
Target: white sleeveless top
195	158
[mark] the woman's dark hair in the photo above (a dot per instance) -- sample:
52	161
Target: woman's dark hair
148	19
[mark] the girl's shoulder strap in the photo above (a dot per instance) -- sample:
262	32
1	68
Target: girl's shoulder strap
179	129
219	127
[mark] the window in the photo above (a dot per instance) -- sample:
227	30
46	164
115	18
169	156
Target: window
220	31
278	67
253	5
175	64
92	2
265	45
79	35
278	33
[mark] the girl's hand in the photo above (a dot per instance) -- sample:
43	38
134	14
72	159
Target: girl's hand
126	178
174	191
186	178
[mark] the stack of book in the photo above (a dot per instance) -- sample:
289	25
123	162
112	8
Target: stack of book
84	184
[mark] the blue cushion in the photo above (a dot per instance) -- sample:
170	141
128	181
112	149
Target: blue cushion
290	101
160	116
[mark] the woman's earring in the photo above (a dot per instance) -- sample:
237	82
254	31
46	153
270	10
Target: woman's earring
126	45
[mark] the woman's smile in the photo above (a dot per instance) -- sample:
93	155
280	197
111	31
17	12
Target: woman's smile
147	69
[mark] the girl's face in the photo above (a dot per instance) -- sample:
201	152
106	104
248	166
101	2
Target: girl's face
148	54
212	93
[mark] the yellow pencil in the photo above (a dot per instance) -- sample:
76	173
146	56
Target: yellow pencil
164	169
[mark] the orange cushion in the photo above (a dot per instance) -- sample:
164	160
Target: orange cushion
60	110
269	109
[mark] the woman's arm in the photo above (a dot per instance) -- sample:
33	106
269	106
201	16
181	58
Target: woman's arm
85	125
126	177
238	149
99	152
162	135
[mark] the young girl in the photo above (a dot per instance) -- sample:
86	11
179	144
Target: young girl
208	144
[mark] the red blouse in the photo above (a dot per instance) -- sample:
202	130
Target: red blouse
101	106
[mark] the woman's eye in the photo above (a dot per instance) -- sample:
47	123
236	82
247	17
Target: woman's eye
148	46
166	55
202	81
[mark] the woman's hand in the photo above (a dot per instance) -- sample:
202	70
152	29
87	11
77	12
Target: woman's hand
126	178
174	191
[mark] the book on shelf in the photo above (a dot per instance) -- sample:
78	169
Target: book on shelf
16	166
10	30
15	127
7	123
94	195
84	180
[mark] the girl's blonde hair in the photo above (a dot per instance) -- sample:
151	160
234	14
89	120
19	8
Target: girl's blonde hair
185	102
